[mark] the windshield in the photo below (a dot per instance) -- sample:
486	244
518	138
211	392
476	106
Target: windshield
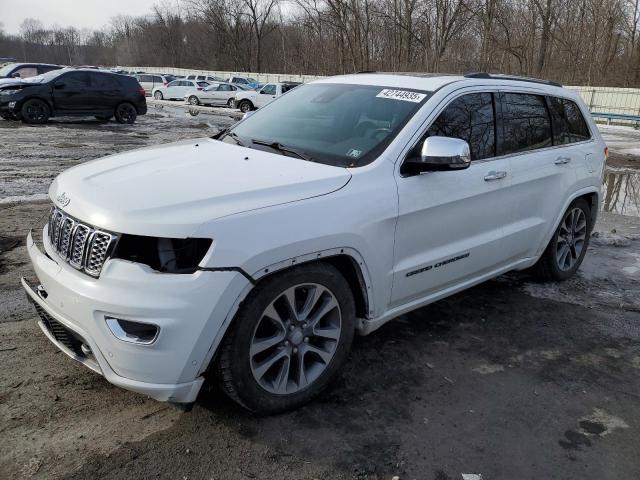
335	124
46	77
4	71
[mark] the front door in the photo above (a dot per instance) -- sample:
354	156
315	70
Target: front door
71	92
450	224
266	95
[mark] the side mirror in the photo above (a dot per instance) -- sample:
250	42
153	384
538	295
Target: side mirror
438	154
59	85
15	75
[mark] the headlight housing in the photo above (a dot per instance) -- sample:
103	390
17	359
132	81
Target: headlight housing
10	91
166	255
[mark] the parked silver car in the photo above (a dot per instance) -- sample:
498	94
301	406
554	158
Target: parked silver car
221	93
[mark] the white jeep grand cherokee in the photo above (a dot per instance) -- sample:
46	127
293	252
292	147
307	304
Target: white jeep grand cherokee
256	255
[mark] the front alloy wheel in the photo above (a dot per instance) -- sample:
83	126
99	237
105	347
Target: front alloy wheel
289	339
193	100
295	338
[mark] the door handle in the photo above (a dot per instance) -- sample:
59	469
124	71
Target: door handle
562	160
493	175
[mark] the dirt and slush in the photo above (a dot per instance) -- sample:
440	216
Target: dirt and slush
512	379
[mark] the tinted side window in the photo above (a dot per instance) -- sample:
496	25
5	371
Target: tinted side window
103	82
77	80
157	79
470	118
146	78
569	125
525	123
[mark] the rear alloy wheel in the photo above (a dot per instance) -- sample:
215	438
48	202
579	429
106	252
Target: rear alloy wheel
245	106
568	246
571	239
35	111
193	100
289	340
126	113
158	96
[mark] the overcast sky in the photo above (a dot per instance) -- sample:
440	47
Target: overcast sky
92	14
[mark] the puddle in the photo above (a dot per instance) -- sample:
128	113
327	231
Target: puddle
621	191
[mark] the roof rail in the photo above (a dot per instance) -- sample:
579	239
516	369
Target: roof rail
511	77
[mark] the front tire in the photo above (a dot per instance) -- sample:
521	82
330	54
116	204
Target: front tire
193	100
35	111
126	113
245	106
568	246
289	340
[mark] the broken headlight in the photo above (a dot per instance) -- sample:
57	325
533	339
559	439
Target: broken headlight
166	255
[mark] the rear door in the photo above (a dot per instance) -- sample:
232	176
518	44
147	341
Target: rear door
71	92
450	223
106	92
543	171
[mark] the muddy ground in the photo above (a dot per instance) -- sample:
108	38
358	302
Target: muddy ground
512	379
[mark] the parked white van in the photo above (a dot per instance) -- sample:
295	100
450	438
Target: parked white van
256	255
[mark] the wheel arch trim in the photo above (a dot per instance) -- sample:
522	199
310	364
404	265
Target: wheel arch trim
318	256
591	190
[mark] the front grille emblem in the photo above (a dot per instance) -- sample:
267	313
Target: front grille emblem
63	200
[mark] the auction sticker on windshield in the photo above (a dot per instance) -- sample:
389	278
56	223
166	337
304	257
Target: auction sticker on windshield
405	95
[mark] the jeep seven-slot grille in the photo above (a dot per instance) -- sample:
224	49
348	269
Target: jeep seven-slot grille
82	246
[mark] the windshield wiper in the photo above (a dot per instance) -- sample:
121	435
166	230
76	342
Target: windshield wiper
226	133
284	149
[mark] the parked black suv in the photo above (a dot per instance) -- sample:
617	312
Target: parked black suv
72	92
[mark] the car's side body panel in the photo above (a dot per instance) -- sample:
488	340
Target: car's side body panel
414	239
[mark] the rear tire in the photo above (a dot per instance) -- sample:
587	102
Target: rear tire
35	111
193	100
126	113
158	96
245	106
230	103
307	345
568	246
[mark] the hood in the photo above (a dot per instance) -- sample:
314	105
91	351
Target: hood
12	82
171	190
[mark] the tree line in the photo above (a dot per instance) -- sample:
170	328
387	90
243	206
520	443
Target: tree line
575	42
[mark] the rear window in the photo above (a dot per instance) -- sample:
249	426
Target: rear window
569	126
525	123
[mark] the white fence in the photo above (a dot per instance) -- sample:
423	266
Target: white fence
260	77
599	99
